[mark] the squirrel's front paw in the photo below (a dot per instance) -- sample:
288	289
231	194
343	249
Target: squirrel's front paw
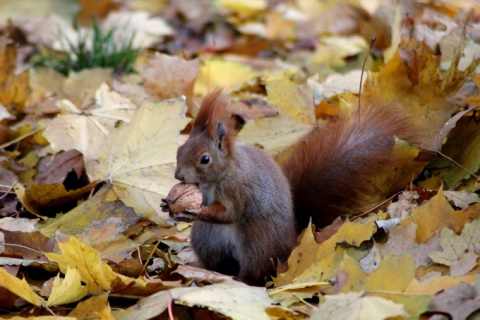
184	216
194	211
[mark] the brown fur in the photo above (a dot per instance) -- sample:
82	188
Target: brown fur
214	110
330	168
247	219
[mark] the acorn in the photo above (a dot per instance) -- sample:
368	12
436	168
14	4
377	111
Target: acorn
182	198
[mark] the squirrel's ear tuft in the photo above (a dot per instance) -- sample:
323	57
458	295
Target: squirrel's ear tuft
214	118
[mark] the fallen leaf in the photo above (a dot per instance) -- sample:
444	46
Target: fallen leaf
14	88
351	277
438	284
87	131
232	299
459	301
93	308
20	287
139	159
461	145
97	276
55	169
68	289
168	77
462	199
356	305
312	261
295	118
456	247
229	75
432	216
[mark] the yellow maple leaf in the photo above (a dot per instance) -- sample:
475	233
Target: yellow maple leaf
312	261
20	287
97	276
139	158
94	308
67	290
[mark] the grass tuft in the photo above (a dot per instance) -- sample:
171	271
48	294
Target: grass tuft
98	49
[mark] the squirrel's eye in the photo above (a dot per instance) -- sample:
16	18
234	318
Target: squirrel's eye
205	159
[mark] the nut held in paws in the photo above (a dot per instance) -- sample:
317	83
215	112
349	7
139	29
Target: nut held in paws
182	197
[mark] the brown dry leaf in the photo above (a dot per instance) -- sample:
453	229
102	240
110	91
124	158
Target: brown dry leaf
168	77
148	307
139	158
355	305
201	275
14	87
55	169
94	308
95	9
68	289
29	244
459	301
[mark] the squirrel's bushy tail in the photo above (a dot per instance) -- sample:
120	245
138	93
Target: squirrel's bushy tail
330	169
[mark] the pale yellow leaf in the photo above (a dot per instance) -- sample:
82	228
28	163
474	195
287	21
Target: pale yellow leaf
357	306
296	117
229	75
140	157
87	131
245	8
232	299
20	287
68	289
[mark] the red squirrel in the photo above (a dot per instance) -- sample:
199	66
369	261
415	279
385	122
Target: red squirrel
253	209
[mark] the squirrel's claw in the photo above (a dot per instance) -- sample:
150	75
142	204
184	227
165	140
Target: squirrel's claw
194	211
185	217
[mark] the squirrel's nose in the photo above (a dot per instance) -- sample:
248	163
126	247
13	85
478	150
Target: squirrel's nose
179	175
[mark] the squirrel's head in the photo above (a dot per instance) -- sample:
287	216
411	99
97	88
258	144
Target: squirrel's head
206	154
